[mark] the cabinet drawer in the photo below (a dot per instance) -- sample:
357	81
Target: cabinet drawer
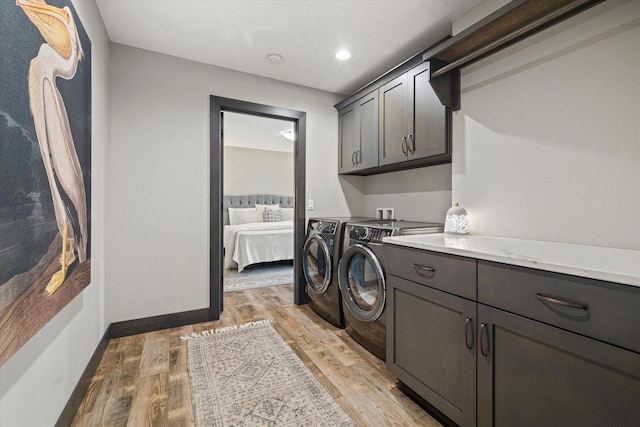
449	273
602	310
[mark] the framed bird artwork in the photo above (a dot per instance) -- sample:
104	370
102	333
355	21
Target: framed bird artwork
45	165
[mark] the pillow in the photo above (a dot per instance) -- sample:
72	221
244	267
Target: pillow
287	214
239	216
261	208
272	215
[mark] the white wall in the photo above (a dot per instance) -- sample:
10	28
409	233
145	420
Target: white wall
250	171
158	213
475	14
37	381
546	143
422	194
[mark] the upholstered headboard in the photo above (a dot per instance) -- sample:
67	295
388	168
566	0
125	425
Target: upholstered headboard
250	200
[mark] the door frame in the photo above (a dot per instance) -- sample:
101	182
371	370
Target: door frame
218	106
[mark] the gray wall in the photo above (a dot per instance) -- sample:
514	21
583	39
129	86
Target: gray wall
546	143
158	210
37	381
422	194
251	171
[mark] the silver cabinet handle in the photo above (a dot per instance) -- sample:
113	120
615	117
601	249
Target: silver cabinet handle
412	144
468	332
358	160
353	158
562	302
419	267
404	145
483	333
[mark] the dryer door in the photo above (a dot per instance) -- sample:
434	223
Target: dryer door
316	263
362	282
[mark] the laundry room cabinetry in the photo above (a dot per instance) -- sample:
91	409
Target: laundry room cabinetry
413	123
431	346
431	330
493	344
533	374
409	127
358	134
545	349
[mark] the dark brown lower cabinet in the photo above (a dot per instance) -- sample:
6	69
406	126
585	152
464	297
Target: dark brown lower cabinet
533	374
431	346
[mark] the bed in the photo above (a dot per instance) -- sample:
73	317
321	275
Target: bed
248	238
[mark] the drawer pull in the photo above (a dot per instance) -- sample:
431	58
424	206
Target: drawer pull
419	267
468	332
483	332
562	302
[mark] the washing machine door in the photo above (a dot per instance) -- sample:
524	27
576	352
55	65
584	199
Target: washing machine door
316	263
362	282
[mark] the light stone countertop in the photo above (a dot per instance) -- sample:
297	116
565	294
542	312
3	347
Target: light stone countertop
595	262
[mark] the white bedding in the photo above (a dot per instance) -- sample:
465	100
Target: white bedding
251	243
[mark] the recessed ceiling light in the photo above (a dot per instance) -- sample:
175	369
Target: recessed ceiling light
289	134
343	55
274	58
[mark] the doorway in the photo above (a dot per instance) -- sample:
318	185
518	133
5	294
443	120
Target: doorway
218	107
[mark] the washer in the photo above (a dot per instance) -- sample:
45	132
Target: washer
320	257
361	278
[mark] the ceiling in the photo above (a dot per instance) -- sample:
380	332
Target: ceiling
239	34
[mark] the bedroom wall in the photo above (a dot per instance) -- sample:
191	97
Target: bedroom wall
37	381
251	171
546	143
158	213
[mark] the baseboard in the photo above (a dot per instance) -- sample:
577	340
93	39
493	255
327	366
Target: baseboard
156	323
122	329
73	404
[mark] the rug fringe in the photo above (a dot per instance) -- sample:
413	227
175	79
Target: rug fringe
225	329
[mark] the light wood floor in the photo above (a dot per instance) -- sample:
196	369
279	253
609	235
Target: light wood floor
143	381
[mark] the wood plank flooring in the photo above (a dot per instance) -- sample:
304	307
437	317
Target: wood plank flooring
142	380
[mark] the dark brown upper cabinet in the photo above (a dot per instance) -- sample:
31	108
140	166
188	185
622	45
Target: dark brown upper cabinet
358	135
399	125
413	122
393	121
347	138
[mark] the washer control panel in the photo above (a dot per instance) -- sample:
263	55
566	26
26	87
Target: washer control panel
322	226
367	234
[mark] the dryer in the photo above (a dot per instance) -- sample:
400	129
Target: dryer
320	256
362	279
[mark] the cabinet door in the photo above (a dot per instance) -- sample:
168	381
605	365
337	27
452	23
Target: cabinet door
427	118
348	137
532	374
367	148
431	346
393	121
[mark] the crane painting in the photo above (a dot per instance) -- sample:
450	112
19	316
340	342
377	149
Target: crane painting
45	161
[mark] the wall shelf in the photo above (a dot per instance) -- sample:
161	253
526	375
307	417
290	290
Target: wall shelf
510	24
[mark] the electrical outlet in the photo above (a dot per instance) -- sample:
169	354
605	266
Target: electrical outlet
385	213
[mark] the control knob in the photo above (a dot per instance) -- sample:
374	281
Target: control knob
364	233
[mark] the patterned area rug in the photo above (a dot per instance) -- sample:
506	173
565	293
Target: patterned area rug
258	276
248	376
